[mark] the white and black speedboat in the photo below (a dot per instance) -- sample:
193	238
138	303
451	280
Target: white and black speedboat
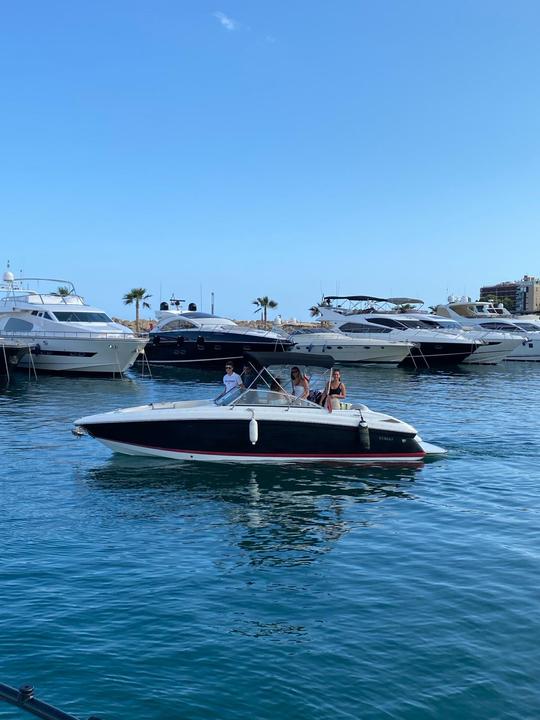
368	316
489	318
349	350
193	339
259	425
70	337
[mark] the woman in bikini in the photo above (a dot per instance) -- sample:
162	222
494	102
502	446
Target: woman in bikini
335	390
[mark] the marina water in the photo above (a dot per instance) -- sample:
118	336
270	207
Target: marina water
134	588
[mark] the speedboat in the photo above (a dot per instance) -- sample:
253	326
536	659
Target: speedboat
489	318
346	349
70	337
260	425
192	339
397	319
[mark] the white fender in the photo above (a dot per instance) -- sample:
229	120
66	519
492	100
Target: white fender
253	431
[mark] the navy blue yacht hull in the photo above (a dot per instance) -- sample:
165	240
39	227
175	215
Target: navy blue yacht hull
181	350
432	355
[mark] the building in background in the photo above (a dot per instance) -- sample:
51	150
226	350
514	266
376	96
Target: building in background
519	296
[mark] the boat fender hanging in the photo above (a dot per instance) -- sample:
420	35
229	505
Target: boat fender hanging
363	435
180	340
253	430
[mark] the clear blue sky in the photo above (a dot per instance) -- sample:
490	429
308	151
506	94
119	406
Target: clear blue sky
270	148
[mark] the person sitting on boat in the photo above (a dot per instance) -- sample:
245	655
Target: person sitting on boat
300	384
231	380
334	392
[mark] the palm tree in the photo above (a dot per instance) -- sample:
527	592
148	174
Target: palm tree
63	290
263	304
137	296
314	311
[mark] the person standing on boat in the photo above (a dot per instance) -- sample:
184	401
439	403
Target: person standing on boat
249	377
300	384
334	392
231	380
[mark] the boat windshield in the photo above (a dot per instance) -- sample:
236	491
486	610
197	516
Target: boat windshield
264	397
530	327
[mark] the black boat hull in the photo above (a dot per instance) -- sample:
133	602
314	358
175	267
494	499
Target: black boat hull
433	355
202	352
277	440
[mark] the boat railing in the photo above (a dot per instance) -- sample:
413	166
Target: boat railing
72	334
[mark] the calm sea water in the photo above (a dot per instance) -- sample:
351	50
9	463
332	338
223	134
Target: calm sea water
160	590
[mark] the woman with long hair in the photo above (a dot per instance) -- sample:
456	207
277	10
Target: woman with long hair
300	384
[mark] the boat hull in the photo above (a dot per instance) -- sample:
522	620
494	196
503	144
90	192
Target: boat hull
390	354
107	357
278	441
528	351
492	352
10	356
438	354
204	353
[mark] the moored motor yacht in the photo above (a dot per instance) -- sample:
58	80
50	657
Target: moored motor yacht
70	337
397	319
259	425
192	339
487	317
346	349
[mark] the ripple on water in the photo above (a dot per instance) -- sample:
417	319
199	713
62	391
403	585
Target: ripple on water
151	589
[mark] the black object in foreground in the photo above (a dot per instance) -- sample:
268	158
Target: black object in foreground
24	699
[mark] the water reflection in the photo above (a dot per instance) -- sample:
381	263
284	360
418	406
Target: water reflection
275	515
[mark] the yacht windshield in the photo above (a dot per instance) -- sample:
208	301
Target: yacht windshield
414	324
443	324
528	326
82	317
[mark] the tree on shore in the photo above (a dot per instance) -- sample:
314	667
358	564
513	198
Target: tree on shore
263	303
138	296
314	311
63	291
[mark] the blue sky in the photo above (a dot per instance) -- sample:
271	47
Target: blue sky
270	148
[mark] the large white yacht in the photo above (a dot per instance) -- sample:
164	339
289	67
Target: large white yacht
397	319
350	350
491	318
70	337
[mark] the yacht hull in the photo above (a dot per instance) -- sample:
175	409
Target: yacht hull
90	356
528	351
10	356
438	354
204	352
391	354
492	352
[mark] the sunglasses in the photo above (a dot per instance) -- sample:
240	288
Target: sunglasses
228	367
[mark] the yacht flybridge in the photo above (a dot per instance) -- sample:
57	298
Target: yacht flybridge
397	319
192	339
493	320
69	336
260	425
